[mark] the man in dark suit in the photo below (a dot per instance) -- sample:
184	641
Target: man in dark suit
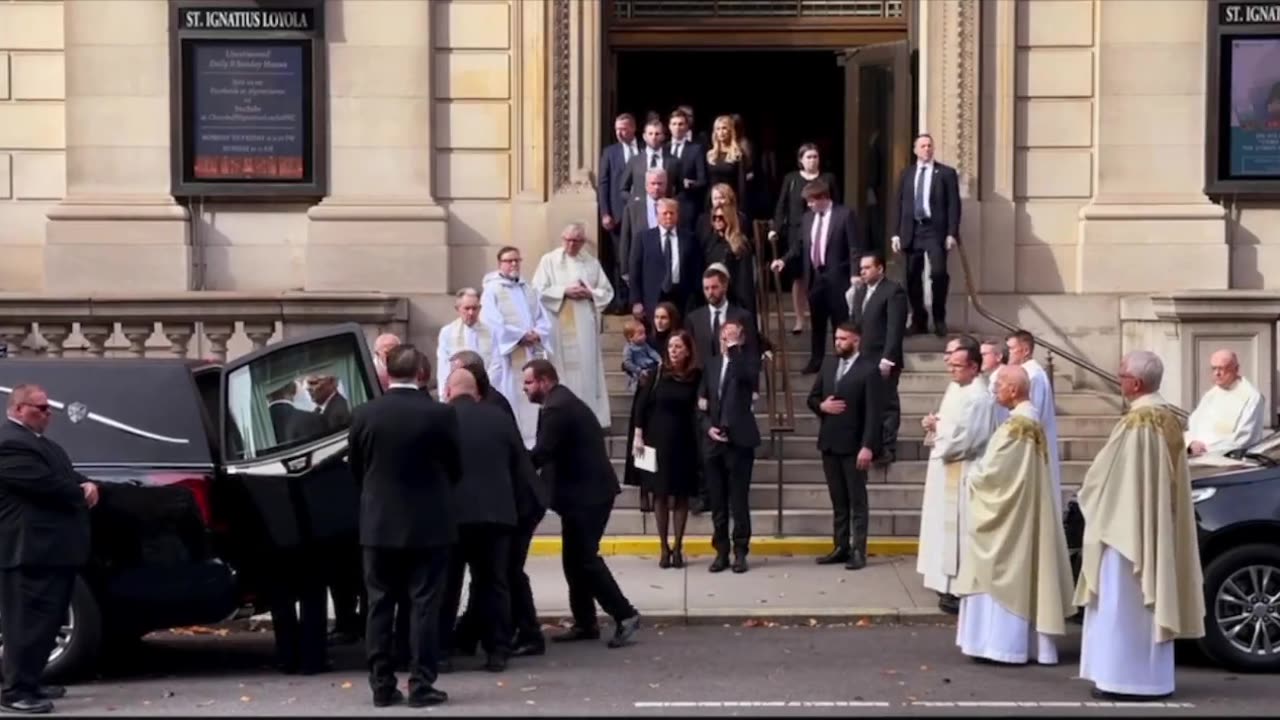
927	224
571	453
329	403
729	425
404	455
653	155
691	157
610	200
640	216
879	309
494	463
290	423
531	507
848	398
666	265
44	540
831	240
705	322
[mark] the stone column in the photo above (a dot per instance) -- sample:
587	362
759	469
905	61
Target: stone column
380	227
576	61
1148	208
118	218
997	254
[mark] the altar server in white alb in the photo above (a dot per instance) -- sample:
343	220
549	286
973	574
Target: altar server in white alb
959	431
467	333
510	306
575	291
1230	415
1022	348
1140	581
1015	573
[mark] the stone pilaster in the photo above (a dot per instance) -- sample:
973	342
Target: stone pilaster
998	251
576	62
118	218
381	226
1148	209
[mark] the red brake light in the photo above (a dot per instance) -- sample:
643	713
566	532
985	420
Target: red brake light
198	485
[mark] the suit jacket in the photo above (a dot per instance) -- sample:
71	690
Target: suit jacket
635	223
494	461
44	519
633	176
610	199
405	459
337	414
706	347
292	424
570	451
648	266
944	204
692	165
729	403
864	393
883	322
844	242
531	495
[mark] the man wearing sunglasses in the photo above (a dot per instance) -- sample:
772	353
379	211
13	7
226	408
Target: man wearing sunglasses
44	539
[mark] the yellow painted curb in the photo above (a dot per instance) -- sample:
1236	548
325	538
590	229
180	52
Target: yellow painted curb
644	545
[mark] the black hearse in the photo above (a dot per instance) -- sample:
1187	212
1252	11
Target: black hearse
203	469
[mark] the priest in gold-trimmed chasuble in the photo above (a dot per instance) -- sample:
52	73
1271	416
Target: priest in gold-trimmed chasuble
1140	579
960	431
1015	573
574	290
510	307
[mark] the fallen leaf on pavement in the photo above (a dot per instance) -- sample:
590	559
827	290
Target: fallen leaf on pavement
655	686
530	702
529	688
346	685
924	667
813	622
890	672
501	684
862	622
245	698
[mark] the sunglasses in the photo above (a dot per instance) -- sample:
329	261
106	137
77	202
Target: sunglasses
718	217
41	408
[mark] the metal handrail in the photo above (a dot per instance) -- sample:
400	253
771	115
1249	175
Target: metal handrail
782	415
1053	349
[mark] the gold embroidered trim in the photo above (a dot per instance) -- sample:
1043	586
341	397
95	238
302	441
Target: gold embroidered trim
1024	428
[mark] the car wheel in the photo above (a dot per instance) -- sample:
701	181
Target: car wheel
1242	604
79	638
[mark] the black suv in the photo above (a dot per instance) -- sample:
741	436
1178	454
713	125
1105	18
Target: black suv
203	470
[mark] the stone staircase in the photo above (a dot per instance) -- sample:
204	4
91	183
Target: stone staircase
1085	419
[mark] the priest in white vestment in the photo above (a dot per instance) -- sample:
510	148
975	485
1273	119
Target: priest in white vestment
510	307
1230	416
1022	348
575	291
467	332
1015	573
959	431
995	356
1140	579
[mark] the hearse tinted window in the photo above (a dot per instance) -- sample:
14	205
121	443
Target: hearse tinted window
118	411
294	396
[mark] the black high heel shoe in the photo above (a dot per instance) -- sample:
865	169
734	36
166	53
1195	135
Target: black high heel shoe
677	558
664	561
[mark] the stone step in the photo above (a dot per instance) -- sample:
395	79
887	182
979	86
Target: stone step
613	340
910	448
1076	426
922	403
814	496
909	472
796	359
795	523
932	383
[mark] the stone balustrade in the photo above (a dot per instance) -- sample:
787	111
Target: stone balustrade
212	325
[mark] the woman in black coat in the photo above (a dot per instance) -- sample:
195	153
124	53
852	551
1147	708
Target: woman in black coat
666	321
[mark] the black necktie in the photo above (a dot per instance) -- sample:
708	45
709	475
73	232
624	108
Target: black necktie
920	199
715	334
653	159
666	255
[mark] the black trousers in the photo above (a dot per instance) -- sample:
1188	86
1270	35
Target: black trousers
926	242
586	573
728	473
299	609
892	412
847	486
346	587
33	605
418	576
827	309
484	548
524	613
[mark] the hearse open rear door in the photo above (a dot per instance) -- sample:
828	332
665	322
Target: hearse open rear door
285	412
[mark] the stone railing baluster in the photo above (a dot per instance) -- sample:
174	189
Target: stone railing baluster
179	336
138	334
55	336
96	335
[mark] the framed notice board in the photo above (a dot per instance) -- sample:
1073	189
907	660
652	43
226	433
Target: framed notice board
1242	125
247	98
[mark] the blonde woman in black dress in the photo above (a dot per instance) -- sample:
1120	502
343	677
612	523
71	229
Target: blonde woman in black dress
789	216
727	161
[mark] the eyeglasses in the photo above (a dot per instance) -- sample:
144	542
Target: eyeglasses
510	260
42	408
718	217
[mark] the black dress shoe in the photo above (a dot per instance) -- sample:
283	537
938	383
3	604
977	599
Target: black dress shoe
577	634
949	604
625	631
51	692
426	697
740	563
857	560
677	558
720	564
834	557
387	698
940	329
496	663
26	706
529	649
1121	697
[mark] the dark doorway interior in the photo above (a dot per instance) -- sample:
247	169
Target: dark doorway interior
786	98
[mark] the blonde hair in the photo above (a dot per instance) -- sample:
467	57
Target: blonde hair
733	150
733	232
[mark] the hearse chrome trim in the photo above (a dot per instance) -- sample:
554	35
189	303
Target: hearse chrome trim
298	461
84	413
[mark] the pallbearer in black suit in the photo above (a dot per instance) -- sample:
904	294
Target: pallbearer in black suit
494	462
848	398
879	309
830	241
691	158
404	455
575	466
655	154
732	437
927	224
44	540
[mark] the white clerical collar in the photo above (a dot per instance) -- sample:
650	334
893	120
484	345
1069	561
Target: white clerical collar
403	386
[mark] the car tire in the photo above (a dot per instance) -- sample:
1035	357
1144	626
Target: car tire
85	641
1216	643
